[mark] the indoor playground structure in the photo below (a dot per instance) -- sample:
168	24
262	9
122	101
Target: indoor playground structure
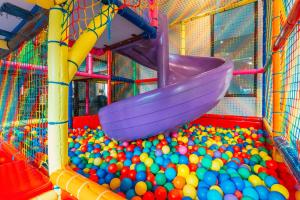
150	99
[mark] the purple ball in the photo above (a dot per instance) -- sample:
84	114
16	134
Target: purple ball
191	143
230	197
217	154
158	153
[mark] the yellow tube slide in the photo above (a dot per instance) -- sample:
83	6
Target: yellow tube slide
81	187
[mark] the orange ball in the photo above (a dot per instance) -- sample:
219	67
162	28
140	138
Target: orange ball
179	182
175	194
238	194
136	198
210	152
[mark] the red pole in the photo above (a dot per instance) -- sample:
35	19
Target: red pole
109	73
290	23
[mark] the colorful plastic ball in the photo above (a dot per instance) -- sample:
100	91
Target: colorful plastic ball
141	176
115	183
239	183
179	182
263	192
230	197
160	193
250	192
215	166
216	187
170	174
254	180
140	188
148	162
112	168
281	189
193	158
165	149
175	194
202	193
182	149
270	180
130	194
126	184
192	180
201	151
228	187
275	195
160	179
136	198
154	168
189	191
210	178
183	170
187	198
206	162
244	172
200	173
148	196
214	195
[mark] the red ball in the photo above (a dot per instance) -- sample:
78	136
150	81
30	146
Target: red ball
164	142
193	167
83	148
96	150
271	164
148	196
236	149
130	148
175	194
108	158
135	159
132	174
159	146
150	177
125	170
121	155
161	193
112	168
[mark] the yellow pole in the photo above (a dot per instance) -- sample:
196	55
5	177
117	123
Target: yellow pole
88	39
182	38
277	78
46	4
58	84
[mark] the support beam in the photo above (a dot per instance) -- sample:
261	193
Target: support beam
16	11
182	38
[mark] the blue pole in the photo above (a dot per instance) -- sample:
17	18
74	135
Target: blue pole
70	111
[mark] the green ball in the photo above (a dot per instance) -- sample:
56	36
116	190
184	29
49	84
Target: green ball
148	144
262	175
149	185
140	167
206	162
155	142
169	186
154	168
245	173
174	158
202	151
89	166
200	173
225	156
160	179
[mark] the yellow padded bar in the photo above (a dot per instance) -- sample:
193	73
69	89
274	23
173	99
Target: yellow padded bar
4	44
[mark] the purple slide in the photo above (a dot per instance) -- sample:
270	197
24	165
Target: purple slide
188	87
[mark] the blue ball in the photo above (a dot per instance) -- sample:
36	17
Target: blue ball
202	193
76	160
223	177
126	184
275	195
250	192
247	183
183	160
159	160
232	164
187	198
228	187
101	181
108	178
214	195
203	184
239	183
263	192
130	193
127	162
210	178
141	176
270	180
170	173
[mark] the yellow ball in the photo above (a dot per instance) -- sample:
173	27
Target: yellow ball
160	136
189	191
229	153
165	149
97	161
215	187
86	170
192	180
281	189
140	188
219	161
185	139
255	180
263	154
194	159
256	168
143	157
115	183
183	170
119	165
215	166
267	158
91	160
254	151
148	162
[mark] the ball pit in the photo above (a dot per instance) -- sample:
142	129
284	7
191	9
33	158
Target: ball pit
193	162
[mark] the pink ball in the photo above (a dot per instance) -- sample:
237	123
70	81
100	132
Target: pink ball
125	144
174	135
182	149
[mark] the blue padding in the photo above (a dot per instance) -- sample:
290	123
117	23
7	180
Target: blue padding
130	15
6	34
70	107
122	79
290	155
16	11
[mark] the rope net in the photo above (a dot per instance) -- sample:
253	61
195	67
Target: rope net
23	98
